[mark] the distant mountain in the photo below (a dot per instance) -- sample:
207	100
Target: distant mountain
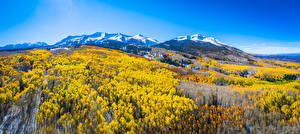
114	41
200	38
196	45
202	46
294	57
101	38
24	46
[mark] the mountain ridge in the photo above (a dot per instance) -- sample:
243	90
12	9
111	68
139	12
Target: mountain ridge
26	45
199	37
196	45
202	46
100	37
103	37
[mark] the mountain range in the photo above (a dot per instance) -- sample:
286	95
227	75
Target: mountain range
197	45
99	38
102	38
23	46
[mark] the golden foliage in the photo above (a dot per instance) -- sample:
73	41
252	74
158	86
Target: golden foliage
98	90
94	90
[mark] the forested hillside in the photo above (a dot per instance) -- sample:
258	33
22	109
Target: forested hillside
97	90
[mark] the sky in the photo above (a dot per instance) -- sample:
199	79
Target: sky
255	26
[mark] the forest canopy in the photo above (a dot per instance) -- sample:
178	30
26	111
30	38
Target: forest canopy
98	90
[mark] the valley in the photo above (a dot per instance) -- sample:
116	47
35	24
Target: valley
114	83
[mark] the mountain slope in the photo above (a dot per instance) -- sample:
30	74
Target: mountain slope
101	38
202	46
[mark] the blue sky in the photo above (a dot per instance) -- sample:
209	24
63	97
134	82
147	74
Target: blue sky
255	26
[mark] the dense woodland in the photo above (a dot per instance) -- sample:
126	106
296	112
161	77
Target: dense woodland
99	90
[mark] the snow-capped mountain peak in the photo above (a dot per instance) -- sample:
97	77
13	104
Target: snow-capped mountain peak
24	46
139	36
179	38
101	37
197	37
200	38
145	40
